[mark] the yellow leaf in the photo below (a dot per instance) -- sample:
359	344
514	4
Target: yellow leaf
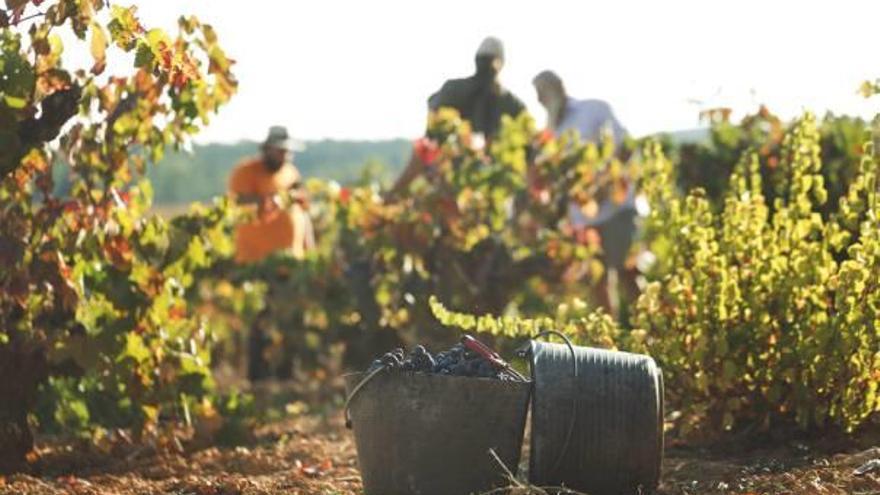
866	89
98	47
151	413
14	102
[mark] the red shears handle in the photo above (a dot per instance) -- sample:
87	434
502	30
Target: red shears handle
490	355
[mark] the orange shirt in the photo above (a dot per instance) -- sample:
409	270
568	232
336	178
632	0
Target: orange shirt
272	230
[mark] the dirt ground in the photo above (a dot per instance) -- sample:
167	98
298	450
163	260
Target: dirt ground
315	454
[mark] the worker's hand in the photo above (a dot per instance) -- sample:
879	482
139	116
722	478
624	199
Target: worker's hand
268	205
299	196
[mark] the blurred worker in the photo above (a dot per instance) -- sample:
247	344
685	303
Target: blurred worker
270	181
615	219
272	184
480	99
589	117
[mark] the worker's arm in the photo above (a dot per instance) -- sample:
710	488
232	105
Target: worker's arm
426	152
295	188
298	194
264	203
413	169
248	199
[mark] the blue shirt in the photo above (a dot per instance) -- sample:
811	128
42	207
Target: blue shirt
589	118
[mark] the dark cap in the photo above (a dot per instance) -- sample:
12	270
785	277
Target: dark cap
491	47
279	138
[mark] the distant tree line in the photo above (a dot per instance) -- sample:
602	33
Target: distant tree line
182	177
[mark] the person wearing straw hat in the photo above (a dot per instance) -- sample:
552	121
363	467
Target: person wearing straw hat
270	185
479	99
268	182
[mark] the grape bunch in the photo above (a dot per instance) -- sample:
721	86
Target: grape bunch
457	361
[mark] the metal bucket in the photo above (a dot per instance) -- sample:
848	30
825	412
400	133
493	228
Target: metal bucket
424	434
599	430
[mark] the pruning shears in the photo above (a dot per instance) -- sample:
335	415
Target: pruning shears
490	355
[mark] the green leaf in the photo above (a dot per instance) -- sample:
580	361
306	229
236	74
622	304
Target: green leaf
143	56
10	143
72	414
124	27
17	75
157	38
135	347
14	102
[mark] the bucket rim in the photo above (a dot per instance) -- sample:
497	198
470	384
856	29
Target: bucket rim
353	374
534	343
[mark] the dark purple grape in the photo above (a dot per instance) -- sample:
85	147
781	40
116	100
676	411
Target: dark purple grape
422	359
391	360
456	361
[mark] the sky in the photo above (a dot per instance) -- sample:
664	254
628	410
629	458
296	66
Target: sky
364	69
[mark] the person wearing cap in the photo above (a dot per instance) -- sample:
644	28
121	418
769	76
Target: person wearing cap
614	220
480	99
266	182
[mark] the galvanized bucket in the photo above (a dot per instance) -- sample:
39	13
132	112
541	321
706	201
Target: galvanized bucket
423	434
597	420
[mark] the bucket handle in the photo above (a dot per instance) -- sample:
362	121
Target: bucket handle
574	372
357	389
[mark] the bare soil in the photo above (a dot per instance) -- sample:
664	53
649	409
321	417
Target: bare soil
315	454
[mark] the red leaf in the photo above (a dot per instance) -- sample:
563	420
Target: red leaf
71	206
426	150
165	55
177	312
545	137
119	251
